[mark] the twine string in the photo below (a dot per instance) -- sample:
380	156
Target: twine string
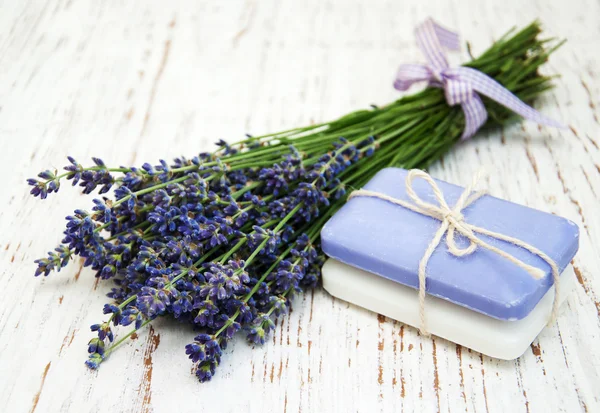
453	222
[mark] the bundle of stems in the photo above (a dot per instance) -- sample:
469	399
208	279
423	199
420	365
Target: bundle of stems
225	239
417	130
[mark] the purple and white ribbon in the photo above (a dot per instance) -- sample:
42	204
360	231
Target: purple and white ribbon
461	85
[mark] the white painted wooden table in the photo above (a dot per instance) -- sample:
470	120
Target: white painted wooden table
135	81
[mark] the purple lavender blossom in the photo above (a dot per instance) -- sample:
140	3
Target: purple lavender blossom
176	240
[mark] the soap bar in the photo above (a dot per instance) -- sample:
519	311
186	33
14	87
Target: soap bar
388	241
501	339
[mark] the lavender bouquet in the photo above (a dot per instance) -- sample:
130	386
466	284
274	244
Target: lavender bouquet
224	240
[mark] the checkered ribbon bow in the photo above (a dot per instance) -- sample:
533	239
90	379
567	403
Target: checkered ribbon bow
462	85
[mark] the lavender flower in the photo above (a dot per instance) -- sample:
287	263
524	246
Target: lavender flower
223	241
215	245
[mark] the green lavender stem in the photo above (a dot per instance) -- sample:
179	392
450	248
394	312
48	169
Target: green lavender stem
411	132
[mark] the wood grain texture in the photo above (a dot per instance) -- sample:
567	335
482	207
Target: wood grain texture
141	80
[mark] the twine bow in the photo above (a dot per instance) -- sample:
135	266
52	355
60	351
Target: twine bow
461	85
453	222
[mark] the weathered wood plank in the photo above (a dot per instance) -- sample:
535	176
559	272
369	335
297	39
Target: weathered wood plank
140	80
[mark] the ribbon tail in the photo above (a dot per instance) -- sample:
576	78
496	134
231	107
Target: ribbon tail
489	87
475	115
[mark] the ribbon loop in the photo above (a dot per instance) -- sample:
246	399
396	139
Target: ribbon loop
453	223
462	85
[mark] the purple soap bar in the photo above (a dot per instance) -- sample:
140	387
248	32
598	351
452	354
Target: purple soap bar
389	240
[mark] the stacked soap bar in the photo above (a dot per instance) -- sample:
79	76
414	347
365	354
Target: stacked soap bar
482	300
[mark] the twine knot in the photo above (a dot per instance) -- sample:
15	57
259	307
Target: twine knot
454	217
453	222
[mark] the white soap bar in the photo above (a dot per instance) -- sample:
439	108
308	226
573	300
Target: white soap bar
496	338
